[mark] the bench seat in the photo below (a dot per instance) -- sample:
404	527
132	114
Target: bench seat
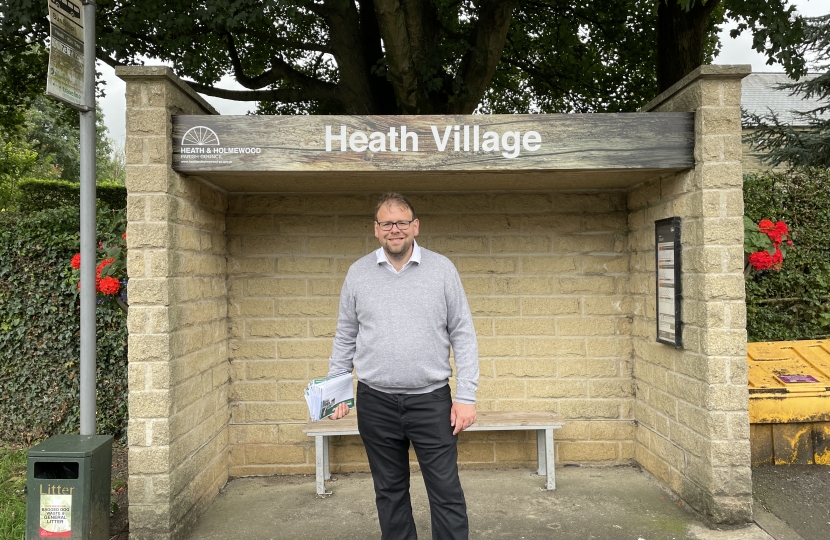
542	422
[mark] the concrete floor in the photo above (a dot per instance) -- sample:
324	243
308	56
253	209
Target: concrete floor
602	503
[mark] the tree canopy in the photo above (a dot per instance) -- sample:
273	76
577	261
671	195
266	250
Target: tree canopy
427	56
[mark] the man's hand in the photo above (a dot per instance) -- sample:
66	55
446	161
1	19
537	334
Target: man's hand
341	411
462	416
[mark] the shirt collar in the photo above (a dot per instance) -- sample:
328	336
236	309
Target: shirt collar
415	258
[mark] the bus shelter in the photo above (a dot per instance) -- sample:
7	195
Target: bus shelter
602	256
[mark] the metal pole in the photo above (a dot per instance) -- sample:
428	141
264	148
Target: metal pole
88	243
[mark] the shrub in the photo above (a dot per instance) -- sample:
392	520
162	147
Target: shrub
36	195
40	329
793	303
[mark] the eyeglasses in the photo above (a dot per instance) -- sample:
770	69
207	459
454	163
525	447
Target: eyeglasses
387	225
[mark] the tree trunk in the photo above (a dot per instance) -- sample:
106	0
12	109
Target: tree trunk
680	38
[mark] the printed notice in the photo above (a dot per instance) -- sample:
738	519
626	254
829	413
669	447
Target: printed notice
666	324
55	516
65	78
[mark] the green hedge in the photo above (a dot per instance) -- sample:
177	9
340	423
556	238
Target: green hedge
793	303
39	330
36	195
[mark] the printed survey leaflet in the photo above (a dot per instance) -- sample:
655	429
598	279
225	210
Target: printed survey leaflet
325	394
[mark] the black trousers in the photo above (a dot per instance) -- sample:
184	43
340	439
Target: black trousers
387	424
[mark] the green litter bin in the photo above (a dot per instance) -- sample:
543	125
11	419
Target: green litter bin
68	487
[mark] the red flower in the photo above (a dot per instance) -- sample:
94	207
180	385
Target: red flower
109	285
124	235
766	226
761	260
76	261
777	259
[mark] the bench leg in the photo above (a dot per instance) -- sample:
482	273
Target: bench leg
550	481
320	447
541	464
326	463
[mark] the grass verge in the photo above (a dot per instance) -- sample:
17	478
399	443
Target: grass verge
12	499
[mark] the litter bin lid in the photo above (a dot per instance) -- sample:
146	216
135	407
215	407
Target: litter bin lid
789	366
69	446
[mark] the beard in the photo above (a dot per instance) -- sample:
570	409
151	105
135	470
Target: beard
400	251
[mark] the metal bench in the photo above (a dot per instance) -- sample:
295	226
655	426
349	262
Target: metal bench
542	422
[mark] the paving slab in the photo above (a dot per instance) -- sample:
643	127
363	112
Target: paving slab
602	503
798	495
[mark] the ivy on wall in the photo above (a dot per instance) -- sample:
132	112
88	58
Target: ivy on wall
40	329
794	302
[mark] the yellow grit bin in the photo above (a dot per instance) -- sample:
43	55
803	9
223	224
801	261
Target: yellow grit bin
789	402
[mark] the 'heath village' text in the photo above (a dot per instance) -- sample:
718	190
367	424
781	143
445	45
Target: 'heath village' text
456	138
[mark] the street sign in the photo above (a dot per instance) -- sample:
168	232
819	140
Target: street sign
65	78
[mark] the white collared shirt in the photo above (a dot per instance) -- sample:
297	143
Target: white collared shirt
414	259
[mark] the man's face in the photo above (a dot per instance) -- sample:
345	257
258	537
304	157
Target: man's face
396	243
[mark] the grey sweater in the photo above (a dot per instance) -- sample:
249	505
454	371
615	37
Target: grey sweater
395	330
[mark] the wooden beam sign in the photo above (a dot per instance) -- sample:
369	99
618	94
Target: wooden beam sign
433	143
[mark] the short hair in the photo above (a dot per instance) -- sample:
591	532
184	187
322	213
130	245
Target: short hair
396	199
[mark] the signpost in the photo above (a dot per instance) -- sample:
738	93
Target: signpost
71	79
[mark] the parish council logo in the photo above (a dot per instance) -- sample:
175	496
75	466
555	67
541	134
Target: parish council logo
200	144
200	136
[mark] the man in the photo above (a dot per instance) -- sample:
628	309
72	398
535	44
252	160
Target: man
401	308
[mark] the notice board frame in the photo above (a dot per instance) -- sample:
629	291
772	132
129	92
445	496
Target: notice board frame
667	257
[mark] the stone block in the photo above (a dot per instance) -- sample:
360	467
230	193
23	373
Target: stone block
487	265
585	285
276	328
499	346
305	265
489	223
276	370
523	285
269	454
270	287
588	367
580	452
325	286
520	244
559	264
550	223
556	388
309	307
554	347
617	388
494	306
306	348
590	409
585	243
448	245
585	326
337	245
304	224
276	412
525	326
521	367
278	245
549	305
253	391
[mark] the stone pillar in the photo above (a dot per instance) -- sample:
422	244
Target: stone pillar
692	403
178	357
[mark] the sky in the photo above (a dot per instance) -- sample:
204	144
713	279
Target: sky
734	51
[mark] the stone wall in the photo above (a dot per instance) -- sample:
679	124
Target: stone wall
692	403
178	358
546	275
